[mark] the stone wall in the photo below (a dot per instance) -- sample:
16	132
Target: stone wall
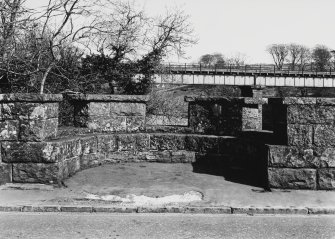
224	116
305	133
109	113
299	154
26	121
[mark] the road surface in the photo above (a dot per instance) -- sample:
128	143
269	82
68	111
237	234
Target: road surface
85	225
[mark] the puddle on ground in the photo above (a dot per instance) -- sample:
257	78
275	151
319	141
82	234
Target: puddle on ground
191	196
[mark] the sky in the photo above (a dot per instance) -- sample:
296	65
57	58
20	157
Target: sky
248	26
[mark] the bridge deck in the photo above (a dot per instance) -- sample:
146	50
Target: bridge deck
249	70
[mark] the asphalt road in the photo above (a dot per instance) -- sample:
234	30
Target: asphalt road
82	225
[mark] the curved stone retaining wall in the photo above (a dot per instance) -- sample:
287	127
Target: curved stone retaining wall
299	154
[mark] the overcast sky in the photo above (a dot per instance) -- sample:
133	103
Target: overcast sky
248	26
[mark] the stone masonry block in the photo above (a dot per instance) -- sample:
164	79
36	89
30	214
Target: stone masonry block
70	167
89	145
142	142
36	152
310	114
37	173
99	109
127	109
91	160
107	144
9	130
29	111
167	142
251	118
292	178
324	135
107	124
292	157
202	144
71	148
326	156
5	173
299	135
38	130
135	123
182	156
126	142
155	156
326	179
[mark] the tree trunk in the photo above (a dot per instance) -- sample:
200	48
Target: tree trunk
45	75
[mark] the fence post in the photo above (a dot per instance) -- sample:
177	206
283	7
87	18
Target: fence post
274	69
200	67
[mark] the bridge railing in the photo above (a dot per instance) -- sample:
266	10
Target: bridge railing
250	68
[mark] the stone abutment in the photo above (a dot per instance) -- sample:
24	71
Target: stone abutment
224	136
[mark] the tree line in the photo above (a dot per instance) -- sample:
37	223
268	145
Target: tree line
293	56
300	57
86	46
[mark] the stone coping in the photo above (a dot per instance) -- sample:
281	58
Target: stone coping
302	101
242	100
109	98
28	97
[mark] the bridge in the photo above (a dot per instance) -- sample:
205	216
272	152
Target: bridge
246	75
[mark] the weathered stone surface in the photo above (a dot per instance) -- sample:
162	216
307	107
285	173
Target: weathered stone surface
107	144
126	142
38	130
157	120
29	111
89	145
182	156
156	156
29	97
98	109
326	179
135	123
299	100
70	167
299	135
127	109
251	118
37	173
107	124
325	101
310	114
292	157
324	135
109	98
292	178
91	160
71	148
142	142
326	156
202	144
5	173
167	142
37	152
9	130
51	110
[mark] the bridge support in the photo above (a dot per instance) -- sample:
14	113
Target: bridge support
252	91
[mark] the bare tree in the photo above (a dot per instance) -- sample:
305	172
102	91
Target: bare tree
237	60
279	52
299	56
321	56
